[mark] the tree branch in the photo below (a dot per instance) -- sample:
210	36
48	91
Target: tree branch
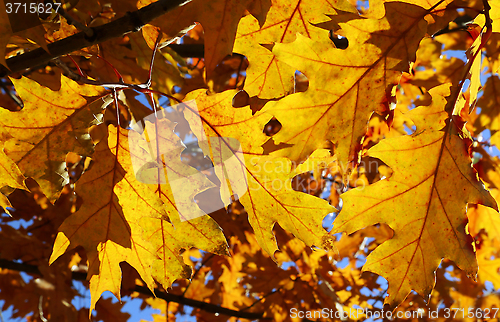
131	22
200	305
208	307
189	50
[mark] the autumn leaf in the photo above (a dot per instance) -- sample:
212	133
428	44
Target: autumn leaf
156	160
193	201
424	202
481	217
142	238
11	176
296	212
51	124
270	198
266	76
346	86
109	225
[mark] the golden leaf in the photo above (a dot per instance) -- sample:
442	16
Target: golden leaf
51	124
424	202
346	86
109	225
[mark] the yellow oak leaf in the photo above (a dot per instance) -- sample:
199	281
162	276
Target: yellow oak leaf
262	183
210	119
108	225
169	240
5	203
51	124
481	217
346	86
424	202
10	175
266	76
128	190
494	15
156	159
270	199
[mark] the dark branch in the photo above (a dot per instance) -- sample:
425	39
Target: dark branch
33	269
131	22
189	50
198	304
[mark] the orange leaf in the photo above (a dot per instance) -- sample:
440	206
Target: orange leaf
266	76
51	124
424	202
156	158
262	183
346	86
109	223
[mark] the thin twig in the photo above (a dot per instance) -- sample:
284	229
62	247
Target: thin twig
80	72
150	74
40	309
115	100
